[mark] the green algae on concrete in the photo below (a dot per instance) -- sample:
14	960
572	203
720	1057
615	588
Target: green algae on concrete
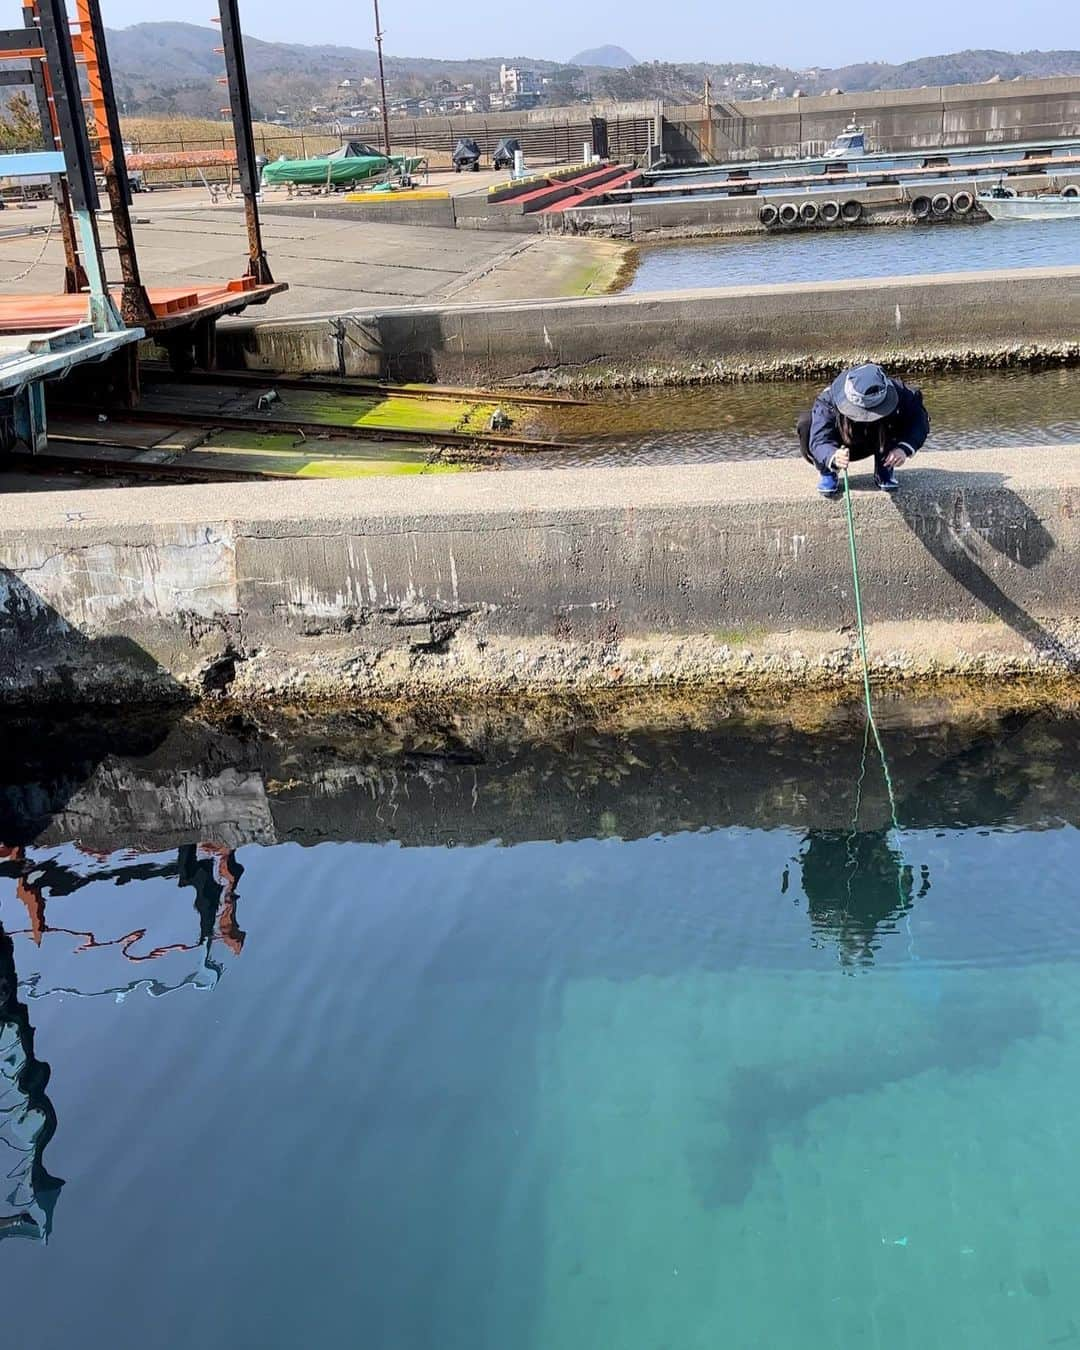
282	454
386	411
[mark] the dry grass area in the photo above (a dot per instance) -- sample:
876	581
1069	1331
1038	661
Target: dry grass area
161	134
201	133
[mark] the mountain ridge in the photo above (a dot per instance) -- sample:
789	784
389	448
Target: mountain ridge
606	57
168	67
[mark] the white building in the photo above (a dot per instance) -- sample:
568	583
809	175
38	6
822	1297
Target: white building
514	80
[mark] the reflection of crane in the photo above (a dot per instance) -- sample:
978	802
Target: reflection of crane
27	1118
212	871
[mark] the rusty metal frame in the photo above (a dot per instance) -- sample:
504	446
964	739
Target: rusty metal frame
134	303
240	107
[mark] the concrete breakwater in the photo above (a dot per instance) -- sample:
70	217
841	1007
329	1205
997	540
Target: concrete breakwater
682	217
986	318
689	217
725	576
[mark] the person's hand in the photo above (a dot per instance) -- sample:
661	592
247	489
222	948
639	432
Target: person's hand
895	459
841	459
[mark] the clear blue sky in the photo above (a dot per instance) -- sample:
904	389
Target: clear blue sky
784	32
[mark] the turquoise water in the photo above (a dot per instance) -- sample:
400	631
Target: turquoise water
355	1035
841	255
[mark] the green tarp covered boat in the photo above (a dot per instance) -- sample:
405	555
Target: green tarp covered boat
353	163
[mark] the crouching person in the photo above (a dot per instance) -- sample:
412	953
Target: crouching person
863	413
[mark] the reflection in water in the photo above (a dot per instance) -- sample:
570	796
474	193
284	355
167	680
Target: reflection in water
27	1118
211	870
818	255
856	884
500	1089
28	1193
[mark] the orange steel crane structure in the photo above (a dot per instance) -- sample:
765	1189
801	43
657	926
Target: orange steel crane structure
182	319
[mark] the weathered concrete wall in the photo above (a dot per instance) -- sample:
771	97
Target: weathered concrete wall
718	573
895	119
676	336
645	218
464	213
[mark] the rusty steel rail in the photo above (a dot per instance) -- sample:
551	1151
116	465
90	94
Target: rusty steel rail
94	462
315	430
158	373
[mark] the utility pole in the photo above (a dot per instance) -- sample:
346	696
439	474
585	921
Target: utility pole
382	82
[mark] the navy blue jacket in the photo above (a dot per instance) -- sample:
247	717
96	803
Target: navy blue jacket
907	427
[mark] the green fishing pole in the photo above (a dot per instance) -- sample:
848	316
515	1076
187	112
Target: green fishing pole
872	729
871	721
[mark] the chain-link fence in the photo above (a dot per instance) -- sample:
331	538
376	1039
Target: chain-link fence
549	142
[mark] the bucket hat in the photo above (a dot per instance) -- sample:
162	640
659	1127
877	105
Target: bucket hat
865	394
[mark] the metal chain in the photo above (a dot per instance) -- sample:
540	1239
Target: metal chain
20	276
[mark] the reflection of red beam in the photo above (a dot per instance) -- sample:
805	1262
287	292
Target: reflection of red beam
227	874
32	897
125	943
229	930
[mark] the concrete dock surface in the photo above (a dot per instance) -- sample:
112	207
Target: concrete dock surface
329	264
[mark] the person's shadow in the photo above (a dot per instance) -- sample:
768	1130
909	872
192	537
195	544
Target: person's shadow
961	518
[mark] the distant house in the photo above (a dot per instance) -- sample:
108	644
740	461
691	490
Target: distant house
515	80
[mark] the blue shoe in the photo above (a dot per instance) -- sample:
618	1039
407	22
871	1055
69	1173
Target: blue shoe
828	484
886	479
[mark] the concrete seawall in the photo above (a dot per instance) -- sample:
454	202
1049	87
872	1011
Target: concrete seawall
693	217
682	336
727	575
463	213
895	119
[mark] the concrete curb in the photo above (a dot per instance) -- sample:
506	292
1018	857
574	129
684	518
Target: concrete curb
948	319
730	574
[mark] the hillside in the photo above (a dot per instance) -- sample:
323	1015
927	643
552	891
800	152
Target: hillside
607	58
171	68
684	82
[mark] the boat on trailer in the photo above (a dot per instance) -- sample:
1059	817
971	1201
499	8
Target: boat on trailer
355	162
1003	204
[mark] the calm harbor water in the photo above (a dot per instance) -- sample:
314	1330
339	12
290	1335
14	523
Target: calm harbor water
968	410
827	255
353	1034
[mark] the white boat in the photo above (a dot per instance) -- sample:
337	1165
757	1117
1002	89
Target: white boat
1050	206
850	144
